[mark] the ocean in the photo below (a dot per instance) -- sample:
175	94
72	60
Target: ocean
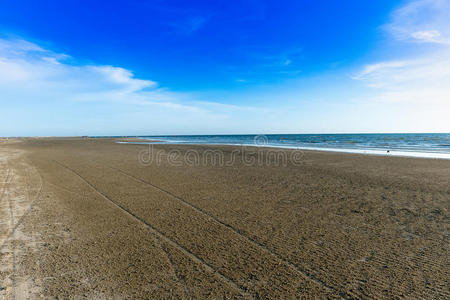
432	145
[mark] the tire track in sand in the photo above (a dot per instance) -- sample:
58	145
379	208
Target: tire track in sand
305	274
159	234
21	219
13	245
176	270
169	259
5	184
16	292
34	234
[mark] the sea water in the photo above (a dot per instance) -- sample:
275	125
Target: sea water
432	145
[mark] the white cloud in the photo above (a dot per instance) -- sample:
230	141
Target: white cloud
419	80
430	36
18	47
380	67
27	69
424	21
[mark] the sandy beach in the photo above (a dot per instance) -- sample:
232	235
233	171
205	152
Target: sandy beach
92	218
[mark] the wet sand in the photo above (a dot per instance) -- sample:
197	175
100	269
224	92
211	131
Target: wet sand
84	218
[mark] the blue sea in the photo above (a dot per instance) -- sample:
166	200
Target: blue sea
433	145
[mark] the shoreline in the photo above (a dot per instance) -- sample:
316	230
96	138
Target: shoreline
374	152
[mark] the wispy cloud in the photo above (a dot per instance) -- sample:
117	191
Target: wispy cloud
430	36
27	69
412	90
280	59
375	69
416	80
266	63
190	25
424	21
424	80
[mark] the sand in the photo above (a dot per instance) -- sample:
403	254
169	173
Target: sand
83	218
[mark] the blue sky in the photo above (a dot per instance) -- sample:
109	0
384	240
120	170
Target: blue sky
205	67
